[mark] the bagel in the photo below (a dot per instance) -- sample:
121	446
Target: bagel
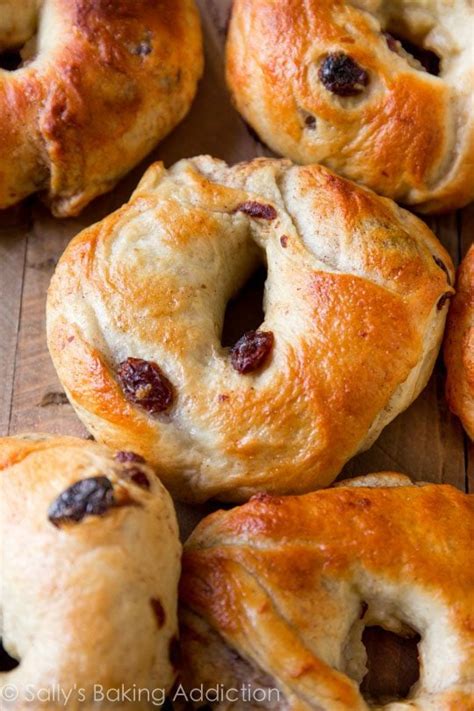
355	304
459	346
89	568
101	83
326	81
275	595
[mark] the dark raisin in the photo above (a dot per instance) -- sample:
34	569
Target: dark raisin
441	303
284	241
443	266
124	457
142	49
175	652
308	119
87	497
251	351
138	477
158	611
257	209
341	75
131	472
144	384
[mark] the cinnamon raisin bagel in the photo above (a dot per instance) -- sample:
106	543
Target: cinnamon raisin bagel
459	346
275	596
355	304
101	83
336	82
89	568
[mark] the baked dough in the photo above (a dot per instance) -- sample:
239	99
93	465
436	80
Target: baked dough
322	81
355	304
89	568
101	84
275	594
459	347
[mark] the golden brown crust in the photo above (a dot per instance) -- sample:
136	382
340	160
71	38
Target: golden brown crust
109	80
354	298
275	590
459	346
385	137
86	602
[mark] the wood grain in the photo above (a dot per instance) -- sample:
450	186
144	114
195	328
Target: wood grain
426	441
34	408
13	241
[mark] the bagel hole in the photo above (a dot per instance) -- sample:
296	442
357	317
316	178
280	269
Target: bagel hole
392	664
10	60
428	59
244	312
7	663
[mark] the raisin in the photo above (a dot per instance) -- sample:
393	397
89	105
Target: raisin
138	477
257	209
124	457
133	473
341	75
441	303
87	497
251	351
284	241
144	384
158	611
142	49
442	266
308	119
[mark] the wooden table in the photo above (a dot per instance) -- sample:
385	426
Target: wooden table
426	441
